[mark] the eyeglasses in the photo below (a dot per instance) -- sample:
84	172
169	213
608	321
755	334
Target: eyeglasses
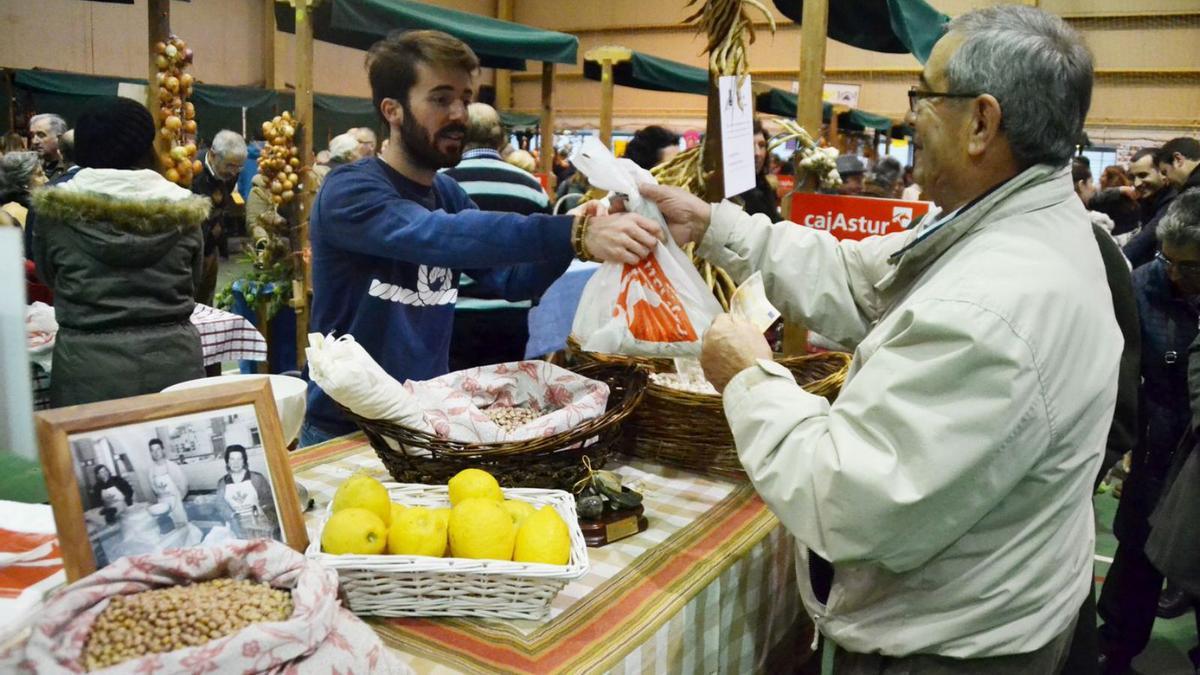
1186	268
915	95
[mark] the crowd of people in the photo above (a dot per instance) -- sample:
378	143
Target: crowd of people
1032	336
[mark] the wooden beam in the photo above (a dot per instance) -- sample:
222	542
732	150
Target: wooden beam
504	99
158	29
547	123
268	46
607	56
812	65
302	284
714	186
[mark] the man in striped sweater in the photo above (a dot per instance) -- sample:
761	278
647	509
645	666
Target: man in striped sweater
489	329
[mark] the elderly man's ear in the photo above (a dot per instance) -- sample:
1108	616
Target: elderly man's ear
985	124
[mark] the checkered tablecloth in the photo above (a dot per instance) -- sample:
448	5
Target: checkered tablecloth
224	336
709	587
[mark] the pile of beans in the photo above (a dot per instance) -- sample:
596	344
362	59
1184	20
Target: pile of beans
673	381
511	418
166	619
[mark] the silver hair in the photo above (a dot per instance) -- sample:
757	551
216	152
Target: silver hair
16	170
57	124
1181	224
1037	67
228	144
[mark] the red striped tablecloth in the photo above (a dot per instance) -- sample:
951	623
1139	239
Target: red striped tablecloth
709	587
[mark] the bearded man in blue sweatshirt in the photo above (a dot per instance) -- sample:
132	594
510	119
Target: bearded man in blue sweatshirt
390	235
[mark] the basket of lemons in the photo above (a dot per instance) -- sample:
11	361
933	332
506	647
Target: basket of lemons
468	548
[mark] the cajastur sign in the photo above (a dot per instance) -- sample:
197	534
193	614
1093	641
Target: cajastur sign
855	217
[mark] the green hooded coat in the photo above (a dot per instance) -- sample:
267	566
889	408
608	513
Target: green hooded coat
122	251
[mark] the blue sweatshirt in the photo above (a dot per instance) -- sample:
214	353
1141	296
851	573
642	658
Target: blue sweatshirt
386	257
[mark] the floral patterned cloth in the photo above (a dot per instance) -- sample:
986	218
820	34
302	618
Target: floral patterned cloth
454	403
320	636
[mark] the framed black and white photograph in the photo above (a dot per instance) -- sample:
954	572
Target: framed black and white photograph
173	470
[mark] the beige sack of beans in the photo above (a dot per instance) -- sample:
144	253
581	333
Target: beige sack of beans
457	405
320	637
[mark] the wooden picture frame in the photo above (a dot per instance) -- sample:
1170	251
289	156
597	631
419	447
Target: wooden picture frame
57	428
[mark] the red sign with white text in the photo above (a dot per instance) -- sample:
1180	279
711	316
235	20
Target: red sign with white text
855	217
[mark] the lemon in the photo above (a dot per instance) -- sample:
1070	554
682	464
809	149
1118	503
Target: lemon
481	528
443	516
518	509
356	531
473	484
543	538
397	509
361	491
417	531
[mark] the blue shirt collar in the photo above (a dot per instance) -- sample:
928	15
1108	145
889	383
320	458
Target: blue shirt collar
477	153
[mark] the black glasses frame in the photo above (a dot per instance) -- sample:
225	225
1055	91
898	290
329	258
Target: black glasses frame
915	94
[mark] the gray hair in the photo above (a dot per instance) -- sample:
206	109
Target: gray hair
1037	67
483	127
16	170
58	126
228	144
1181	225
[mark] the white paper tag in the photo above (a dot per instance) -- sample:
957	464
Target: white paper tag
737	134
749	302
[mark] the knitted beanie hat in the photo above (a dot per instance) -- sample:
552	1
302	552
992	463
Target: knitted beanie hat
114	133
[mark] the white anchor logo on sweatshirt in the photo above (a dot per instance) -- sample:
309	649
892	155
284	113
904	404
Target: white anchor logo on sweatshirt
435	286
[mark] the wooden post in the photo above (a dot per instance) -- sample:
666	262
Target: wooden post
714	187
302	284
268	47
812	65
547	147
504	98
607	57
158	29
809	109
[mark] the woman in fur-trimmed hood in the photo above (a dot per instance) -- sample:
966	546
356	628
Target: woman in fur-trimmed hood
121	247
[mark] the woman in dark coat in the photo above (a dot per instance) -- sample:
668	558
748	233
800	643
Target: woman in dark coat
121	248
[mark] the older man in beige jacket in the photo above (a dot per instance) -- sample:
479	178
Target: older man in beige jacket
942	505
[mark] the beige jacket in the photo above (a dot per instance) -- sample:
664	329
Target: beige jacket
950	484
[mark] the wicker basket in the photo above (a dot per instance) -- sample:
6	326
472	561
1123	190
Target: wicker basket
689	430
556	461
575	354
411	585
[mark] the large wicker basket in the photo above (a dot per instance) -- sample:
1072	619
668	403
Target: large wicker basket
412	585
555	461
689	430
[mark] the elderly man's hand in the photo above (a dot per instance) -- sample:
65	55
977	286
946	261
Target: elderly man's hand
686	214
621	237
731	345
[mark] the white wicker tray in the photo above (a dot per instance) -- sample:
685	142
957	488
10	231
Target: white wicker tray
413	585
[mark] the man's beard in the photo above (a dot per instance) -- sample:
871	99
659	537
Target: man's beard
421	146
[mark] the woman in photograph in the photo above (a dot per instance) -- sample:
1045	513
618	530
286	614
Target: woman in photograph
168	482
245	497
112	492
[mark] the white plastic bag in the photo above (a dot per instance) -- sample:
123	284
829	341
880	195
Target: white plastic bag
348	374
658	307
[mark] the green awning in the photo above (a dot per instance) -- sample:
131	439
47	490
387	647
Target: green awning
217	107
893	26
499	44
643	71
783	103
516	120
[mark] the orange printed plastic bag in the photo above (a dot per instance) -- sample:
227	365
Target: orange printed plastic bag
659	307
